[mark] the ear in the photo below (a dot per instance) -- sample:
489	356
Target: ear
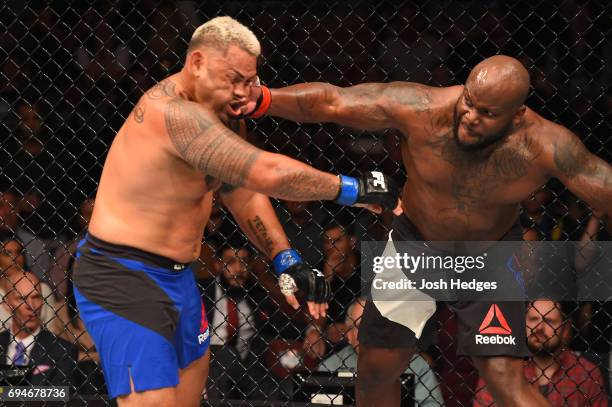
518	116
196	60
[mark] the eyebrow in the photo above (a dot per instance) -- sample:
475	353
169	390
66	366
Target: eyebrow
239	74
489	109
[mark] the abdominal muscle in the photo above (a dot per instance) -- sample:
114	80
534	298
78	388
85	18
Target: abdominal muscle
437	219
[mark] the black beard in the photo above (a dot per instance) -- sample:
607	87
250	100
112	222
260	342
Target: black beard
483	143
236	293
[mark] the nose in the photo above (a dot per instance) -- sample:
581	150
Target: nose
241	91
471	118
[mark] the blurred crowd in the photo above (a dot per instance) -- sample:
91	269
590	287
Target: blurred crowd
71	72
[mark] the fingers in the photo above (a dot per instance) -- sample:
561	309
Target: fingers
316	309
377	209
398	209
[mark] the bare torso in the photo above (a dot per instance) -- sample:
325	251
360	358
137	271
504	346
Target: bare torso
148	197
452	194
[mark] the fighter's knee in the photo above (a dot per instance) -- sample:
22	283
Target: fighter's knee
373	378
381	367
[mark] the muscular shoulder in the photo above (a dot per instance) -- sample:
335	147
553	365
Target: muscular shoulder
148	112
434	121
560	147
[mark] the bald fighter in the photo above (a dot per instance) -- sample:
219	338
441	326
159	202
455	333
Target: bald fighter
134	288
472	153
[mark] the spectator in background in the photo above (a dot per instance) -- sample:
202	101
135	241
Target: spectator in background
561	375
35	231
9	219
426	391
35	173
12	265
302	223
88	379
594	319
27	343
232	302
341	268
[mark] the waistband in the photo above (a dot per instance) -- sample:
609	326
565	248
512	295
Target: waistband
132	253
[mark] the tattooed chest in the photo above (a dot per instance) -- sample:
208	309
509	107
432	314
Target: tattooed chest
472	180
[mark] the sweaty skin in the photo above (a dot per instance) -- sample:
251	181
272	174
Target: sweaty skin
156	188
148	197
471	153
454	191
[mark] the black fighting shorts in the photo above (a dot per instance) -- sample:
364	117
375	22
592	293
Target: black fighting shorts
485	328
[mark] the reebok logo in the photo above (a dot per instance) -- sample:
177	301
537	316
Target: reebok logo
495	340
203	337
499	333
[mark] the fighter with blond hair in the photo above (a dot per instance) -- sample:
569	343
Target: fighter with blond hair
134	288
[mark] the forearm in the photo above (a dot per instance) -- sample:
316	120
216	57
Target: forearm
257	219
305	102
282	177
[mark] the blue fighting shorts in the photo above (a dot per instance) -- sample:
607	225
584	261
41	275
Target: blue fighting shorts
143	312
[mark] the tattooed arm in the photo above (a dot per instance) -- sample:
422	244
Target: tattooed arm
200	139
254	212
257	219
586	175
369	106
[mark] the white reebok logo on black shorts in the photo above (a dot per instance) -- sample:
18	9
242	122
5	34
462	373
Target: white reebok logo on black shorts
499	334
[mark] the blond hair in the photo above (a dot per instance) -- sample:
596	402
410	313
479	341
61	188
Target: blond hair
221	32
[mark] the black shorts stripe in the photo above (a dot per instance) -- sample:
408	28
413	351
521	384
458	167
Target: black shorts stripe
129	293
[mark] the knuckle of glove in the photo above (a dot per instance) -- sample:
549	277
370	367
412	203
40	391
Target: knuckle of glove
379	189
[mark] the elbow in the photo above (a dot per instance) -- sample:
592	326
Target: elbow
265	176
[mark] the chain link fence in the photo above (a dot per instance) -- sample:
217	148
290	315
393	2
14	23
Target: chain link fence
71	72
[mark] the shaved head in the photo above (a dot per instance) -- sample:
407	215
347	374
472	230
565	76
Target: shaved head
491	105
503	76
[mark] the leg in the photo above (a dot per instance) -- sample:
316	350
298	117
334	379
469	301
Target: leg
191	341
506	381
192	381
385	350
378	372
165	397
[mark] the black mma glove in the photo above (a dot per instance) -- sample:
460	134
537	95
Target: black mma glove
294	275
372	188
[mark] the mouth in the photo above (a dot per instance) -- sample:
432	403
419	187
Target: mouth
469	131
235	108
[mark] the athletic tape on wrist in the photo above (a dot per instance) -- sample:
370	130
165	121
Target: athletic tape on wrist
349	190
285	259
